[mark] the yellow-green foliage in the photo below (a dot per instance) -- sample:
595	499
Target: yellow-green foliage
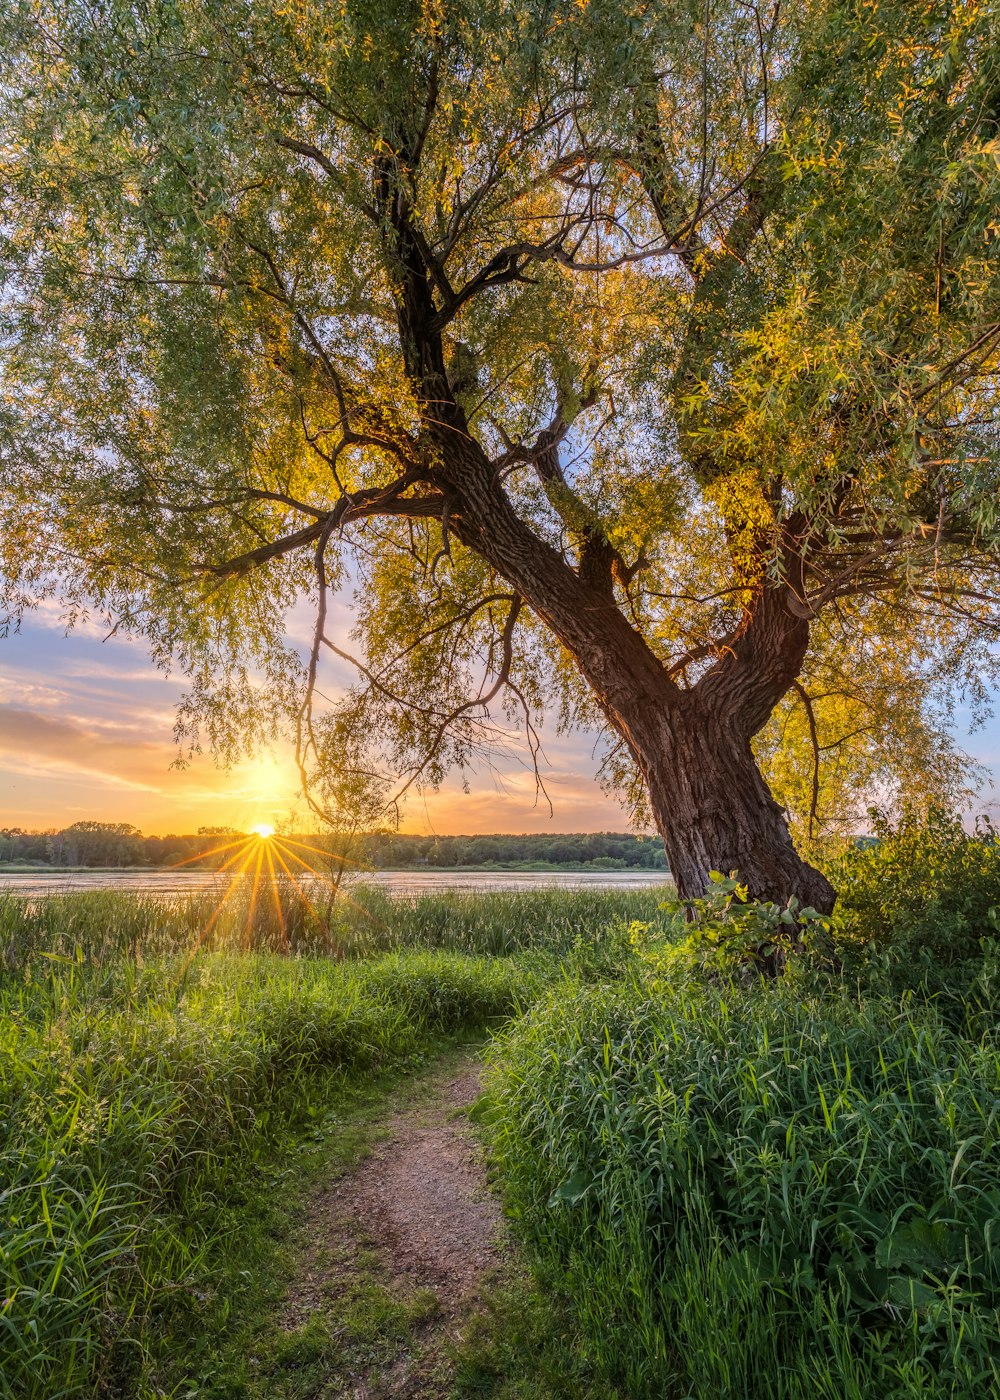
724	932
739	261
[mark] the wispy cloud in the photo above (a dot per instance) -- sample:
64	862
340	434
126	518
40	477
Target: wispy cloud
86	730
32	740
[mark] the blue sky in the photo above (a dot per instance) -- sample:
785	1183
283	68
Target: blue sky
86	732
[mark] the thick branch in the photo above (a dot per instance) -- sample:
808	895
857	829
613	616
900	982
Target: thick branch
664	190
764	656
361	505
807	704
584	617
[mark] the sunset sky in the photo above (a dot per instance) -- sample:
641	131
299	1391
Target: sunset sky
86	732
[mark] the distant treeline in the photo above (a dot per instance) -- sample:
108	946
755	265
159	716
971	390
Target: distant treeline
604	849
120	844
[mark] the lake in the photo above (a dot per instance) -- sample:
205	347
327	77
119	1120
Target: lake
406	883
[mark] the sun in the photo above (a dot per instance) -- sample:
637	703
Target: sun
263	830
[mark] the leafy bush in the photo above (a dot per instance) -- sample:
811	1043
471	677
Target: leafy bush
918	910
725	933
755	1196
923	885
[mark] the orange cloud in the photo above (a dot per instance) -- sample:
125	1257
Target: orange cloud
35	740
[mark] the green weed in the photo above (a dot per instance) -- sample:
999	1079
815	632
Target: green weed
135	1098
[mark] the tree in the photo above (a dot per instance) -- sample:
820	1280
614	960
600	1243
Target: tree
102	843
601	348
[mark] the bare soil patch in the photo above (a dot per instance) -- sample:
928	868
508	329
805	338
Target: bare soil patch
422	1196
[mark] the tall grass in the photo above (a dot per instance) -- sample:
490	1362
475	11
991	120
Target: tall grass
147	1067
360	922
755	1194
766	1193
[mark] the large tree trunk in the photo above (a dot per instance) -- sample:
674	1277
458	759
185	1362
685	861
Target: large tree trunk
692	746
714	809
710	801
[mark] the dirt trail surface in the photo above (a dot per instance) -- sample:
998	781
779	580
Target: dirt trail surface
420	1204
423	1197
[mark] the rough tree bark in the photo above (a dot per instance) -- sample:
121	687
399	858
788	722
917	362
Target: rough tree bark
716	812
711	804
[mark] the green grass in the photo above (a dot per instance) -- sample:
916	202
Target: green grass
525	1344
767	1192
151	1079
129	1102
760	1193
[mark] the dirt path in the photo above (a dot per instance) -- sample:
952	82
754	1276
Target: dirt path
422	1194
414	1226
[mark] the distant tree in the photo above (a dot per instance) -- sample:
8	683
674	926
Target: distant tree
641	359
104	828
10	842
101	843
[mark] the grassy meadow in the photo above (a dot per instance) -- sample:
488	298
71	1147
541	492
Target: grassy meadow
734	1186
151	1073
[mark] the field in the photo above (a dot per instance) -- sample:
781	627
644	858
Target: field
726	1187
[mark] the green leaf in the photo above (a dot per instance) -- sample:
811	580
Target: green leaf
573	1189
910	1293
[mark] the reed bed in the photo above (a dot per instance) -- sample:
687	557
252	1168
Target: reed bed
761	1194
359	922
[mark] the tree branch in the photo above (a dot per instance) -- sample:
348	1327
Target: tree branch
361	505
807	704
481	700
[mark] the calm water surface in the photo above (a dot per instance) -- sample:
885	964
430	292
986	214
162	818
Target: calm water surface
397	882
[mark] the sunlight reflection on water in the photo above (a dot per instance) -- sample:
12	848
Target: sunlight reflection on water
407	883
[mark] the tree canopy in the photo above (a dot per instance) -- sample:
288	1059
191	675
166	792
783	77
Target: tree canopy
633	359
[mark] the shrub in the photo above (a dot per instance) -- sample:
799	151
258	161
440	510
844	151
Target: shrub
926	884
919	910
725	933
